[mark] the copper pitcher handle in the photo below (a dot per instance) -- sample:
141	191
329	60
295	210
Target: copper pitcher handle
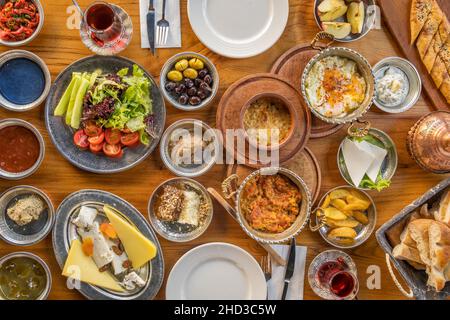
321	219
359	131
227	186
321	37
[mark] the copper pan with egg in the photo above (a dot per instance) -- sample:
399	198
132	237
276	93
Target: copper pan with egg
232	189
347	63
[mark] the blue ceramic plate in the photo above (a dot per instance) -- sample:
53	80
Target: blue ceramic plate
62	135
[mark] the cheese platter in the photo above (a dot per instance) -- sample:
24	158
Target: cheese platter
106	248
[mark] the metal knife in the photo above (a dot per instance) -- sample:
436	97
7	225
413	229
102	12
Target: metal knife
290	267
151	27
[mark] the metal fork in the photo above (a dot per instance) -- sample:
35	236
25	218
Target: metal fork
162	27
266	266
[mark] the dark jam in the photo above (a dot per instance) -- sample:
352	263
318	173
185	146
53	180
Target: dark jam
22	278
100	17
19	149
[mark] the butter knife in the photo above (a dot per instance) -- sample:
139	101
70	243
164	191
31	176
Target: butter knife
151	27
289	268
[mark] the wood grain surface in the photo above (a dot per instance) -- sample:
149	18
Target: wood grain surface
59	47
396	17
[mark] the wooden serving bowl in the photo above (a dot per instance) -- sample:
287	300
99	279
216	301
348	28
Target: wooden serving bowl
292	112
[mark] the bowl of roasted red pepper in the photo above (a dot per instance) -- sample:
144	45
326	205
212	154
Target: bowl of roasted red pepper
20	21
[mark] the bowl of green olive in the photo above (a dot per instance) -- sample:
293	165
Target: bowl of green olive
189	81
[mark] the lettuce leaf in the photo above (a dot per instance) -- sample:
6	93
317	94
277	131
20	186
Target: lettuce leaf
379	185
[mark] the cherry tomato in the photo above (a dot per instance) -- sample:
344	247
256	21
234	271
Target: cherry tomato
112	136
91	129
112	150
81	139
97	139
125	130
96	148
130	139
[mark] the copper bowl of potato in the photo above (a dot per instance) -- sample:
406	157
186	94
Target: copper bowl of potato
345	217
346	20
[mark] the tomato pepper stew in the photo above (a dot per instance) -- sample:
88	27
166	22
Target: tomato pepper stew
19	149
18	20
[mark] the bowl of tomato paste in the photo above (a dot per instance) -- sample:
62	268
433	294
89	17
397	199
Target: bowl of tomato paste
22	149
20	21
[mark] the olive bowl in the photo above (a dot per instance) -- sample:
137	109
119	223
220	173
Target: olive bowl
170	65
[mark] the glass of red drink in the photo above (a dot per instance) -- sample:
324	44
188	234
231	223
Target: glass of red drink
103	24
332	276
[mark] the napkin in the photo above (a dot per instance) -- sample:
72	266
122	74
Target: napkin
276	283
172	15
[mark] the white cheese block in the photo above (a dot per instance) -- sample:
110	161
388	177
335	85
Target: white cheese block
102	252
191	205
85	217
378	153
356	160
132	281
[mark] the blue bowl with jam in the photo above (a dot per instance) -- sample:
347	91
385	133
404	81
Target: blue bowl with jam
24	80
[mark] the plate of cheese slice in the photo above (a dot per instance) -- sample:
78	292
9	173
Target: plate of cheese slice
106	249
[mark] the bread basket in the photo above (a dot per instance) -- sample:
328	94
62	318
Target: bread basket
415	280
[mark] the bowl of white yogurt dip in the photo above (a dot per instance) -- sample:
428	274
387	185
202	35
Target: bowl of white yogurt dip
398	85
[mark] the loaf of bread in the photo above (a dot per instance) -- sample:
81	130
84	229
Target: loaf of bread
439	245
442	214
418	230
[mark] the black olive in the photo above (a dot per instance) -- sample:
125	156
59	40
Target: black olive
192	91
183	99
189	83
198	82
195	101
181	88
202	94
170	86
208	79
202	73
206	87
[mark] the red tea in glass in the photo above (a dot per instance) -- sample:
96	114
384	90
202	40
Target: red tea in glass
333	276
342	284
103	23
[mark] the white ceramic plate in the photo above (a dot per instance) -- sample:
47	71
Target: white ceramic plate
216	271
238	28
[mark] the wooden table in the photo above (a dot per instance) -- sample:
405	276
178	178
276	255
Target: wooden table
59	47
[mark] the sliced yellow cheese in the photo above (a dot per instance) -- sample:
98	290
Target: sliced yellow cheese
139	249
81	267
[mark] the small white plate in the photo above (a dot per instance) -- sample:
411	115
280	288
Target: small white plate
238	28
216	271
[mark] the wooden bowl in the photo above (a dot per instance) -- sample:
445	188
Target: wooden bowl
273	97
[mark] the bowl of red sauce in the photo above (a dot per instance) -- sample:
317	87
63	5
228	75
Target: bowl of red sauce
20	21
22	148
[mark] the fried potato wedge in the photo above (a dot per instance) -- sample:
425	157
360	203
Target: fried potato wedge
338	204
361	217
349	223
335	214
342	232
326	202
339	194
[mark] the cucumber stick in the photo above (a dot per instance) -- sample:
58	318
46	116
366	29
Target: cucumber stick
78	105
73	95
61	108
